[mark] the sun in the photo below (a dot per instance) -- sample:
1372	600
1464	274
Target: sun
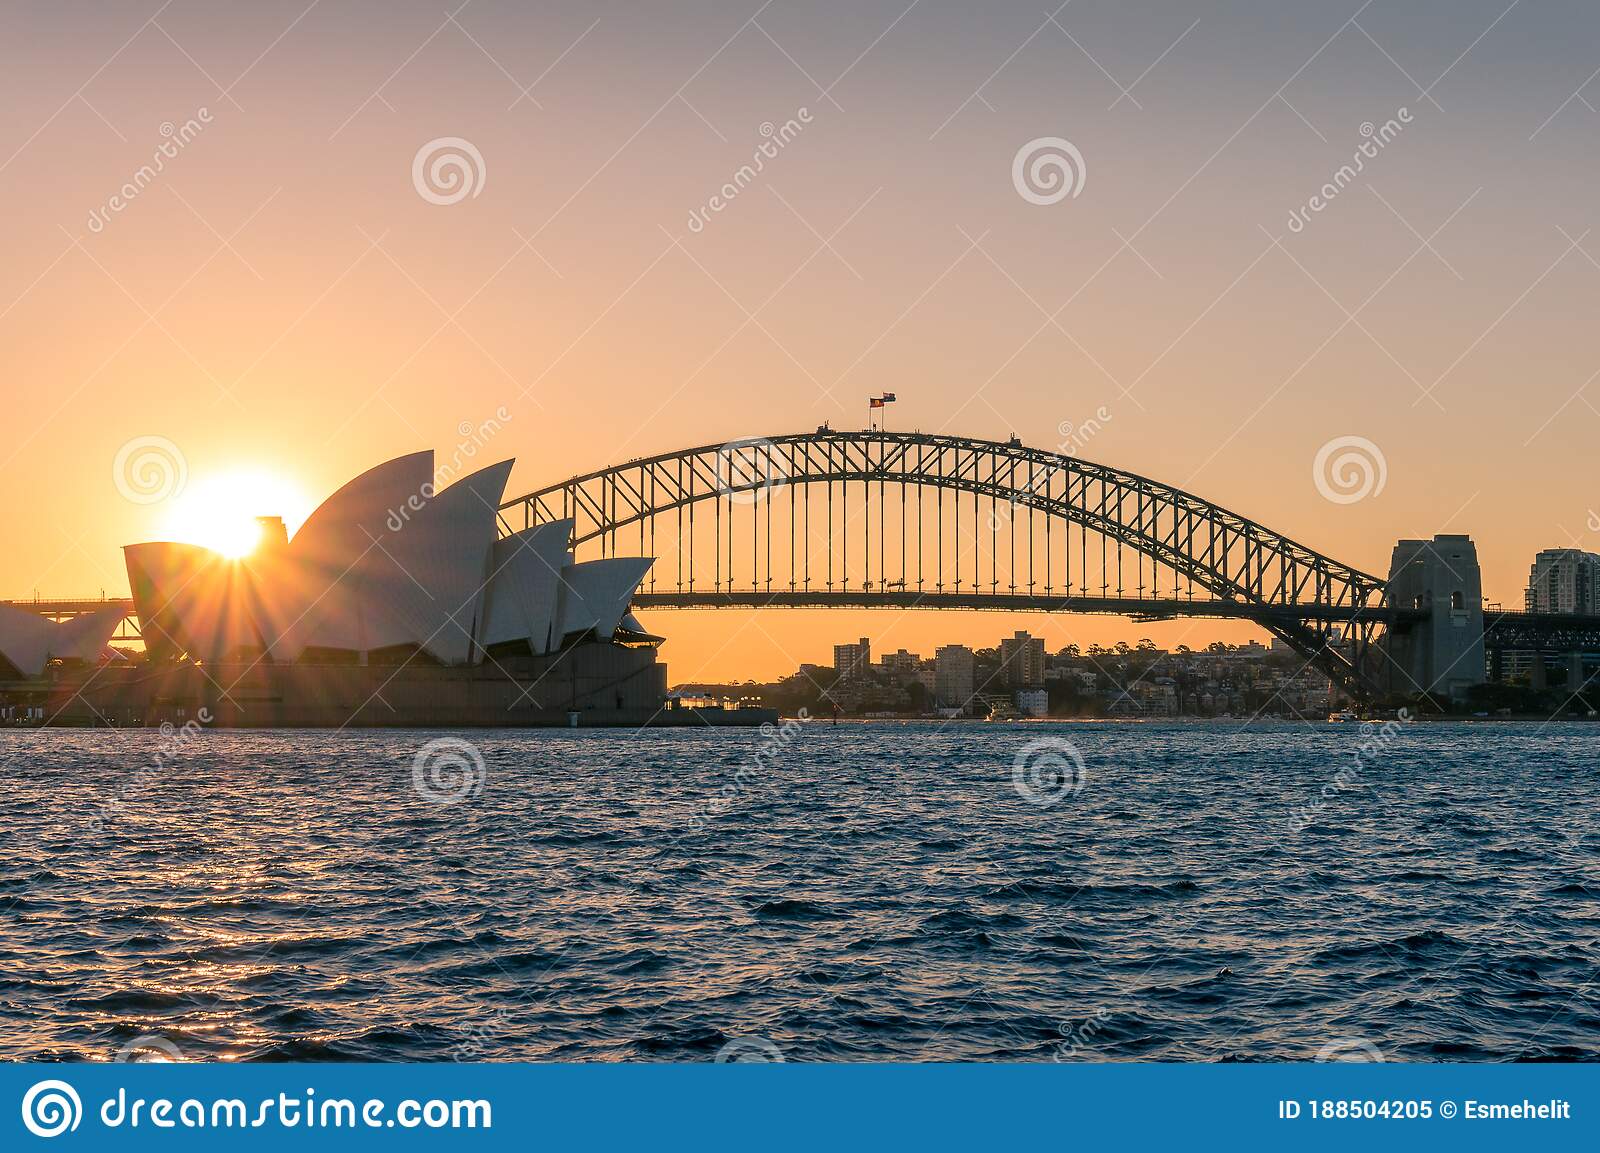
219	511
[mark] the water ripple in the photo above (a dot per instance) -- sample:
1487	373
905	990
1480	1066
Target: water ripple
1212	892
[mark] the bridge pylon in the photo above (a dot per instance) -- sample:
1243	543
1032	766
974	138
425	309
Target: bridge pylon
1439	649
915	520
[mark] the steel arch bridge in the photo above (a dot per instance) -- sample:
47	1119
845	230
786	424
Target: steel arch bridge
912	520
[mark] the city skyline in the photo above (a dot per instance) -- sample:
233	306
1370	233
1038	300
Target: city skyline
544	533
289	297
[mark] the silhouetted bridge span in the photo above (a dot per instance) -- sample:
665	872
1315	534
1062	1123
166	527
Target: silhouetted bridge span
913	520
908	520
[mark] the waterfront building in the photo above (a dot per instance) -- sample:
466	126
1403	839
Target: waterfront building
385	567
953	676
900	665
1033	702
1022	661
1564	580
851	661
394	603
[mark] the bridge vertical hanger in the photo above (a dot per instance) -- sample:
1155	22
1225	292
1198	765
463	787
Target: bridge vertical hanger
1242	569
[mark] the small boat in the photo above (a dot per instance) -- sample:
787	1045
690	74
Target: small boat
1343	716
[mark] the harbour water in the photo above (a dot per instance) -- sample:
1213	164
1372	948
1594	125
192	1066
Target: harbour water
1215	891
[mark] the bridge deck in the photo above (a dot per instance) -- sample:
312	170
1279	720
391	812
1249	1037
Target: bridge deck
1139	607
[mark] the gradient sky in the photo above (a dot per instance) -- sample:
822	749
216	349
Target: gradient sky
282	299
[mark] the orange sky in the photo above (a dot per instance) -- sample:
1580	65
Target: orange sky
281	298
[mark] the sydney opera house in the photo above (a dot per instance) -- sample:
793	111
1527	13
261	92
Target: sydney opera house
394	604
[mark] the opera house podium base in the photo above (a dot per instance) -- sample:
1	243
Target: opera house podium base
587	684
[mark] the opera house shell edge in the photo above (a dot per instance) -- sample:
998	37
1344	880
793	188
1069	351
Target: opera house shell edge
392	605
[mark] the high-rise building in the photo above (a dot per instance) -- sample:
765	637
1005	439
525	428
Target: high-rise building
1564	580
851	661
952	676
1022	661
900	665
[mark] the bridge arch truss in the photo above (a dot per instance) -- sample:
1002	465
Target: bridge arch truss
904	519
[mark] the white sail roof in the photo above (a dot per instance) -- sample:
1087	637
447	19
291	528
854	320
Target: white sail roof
525	576
29	641
384	562
430	574
189	599
318	600
595	594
